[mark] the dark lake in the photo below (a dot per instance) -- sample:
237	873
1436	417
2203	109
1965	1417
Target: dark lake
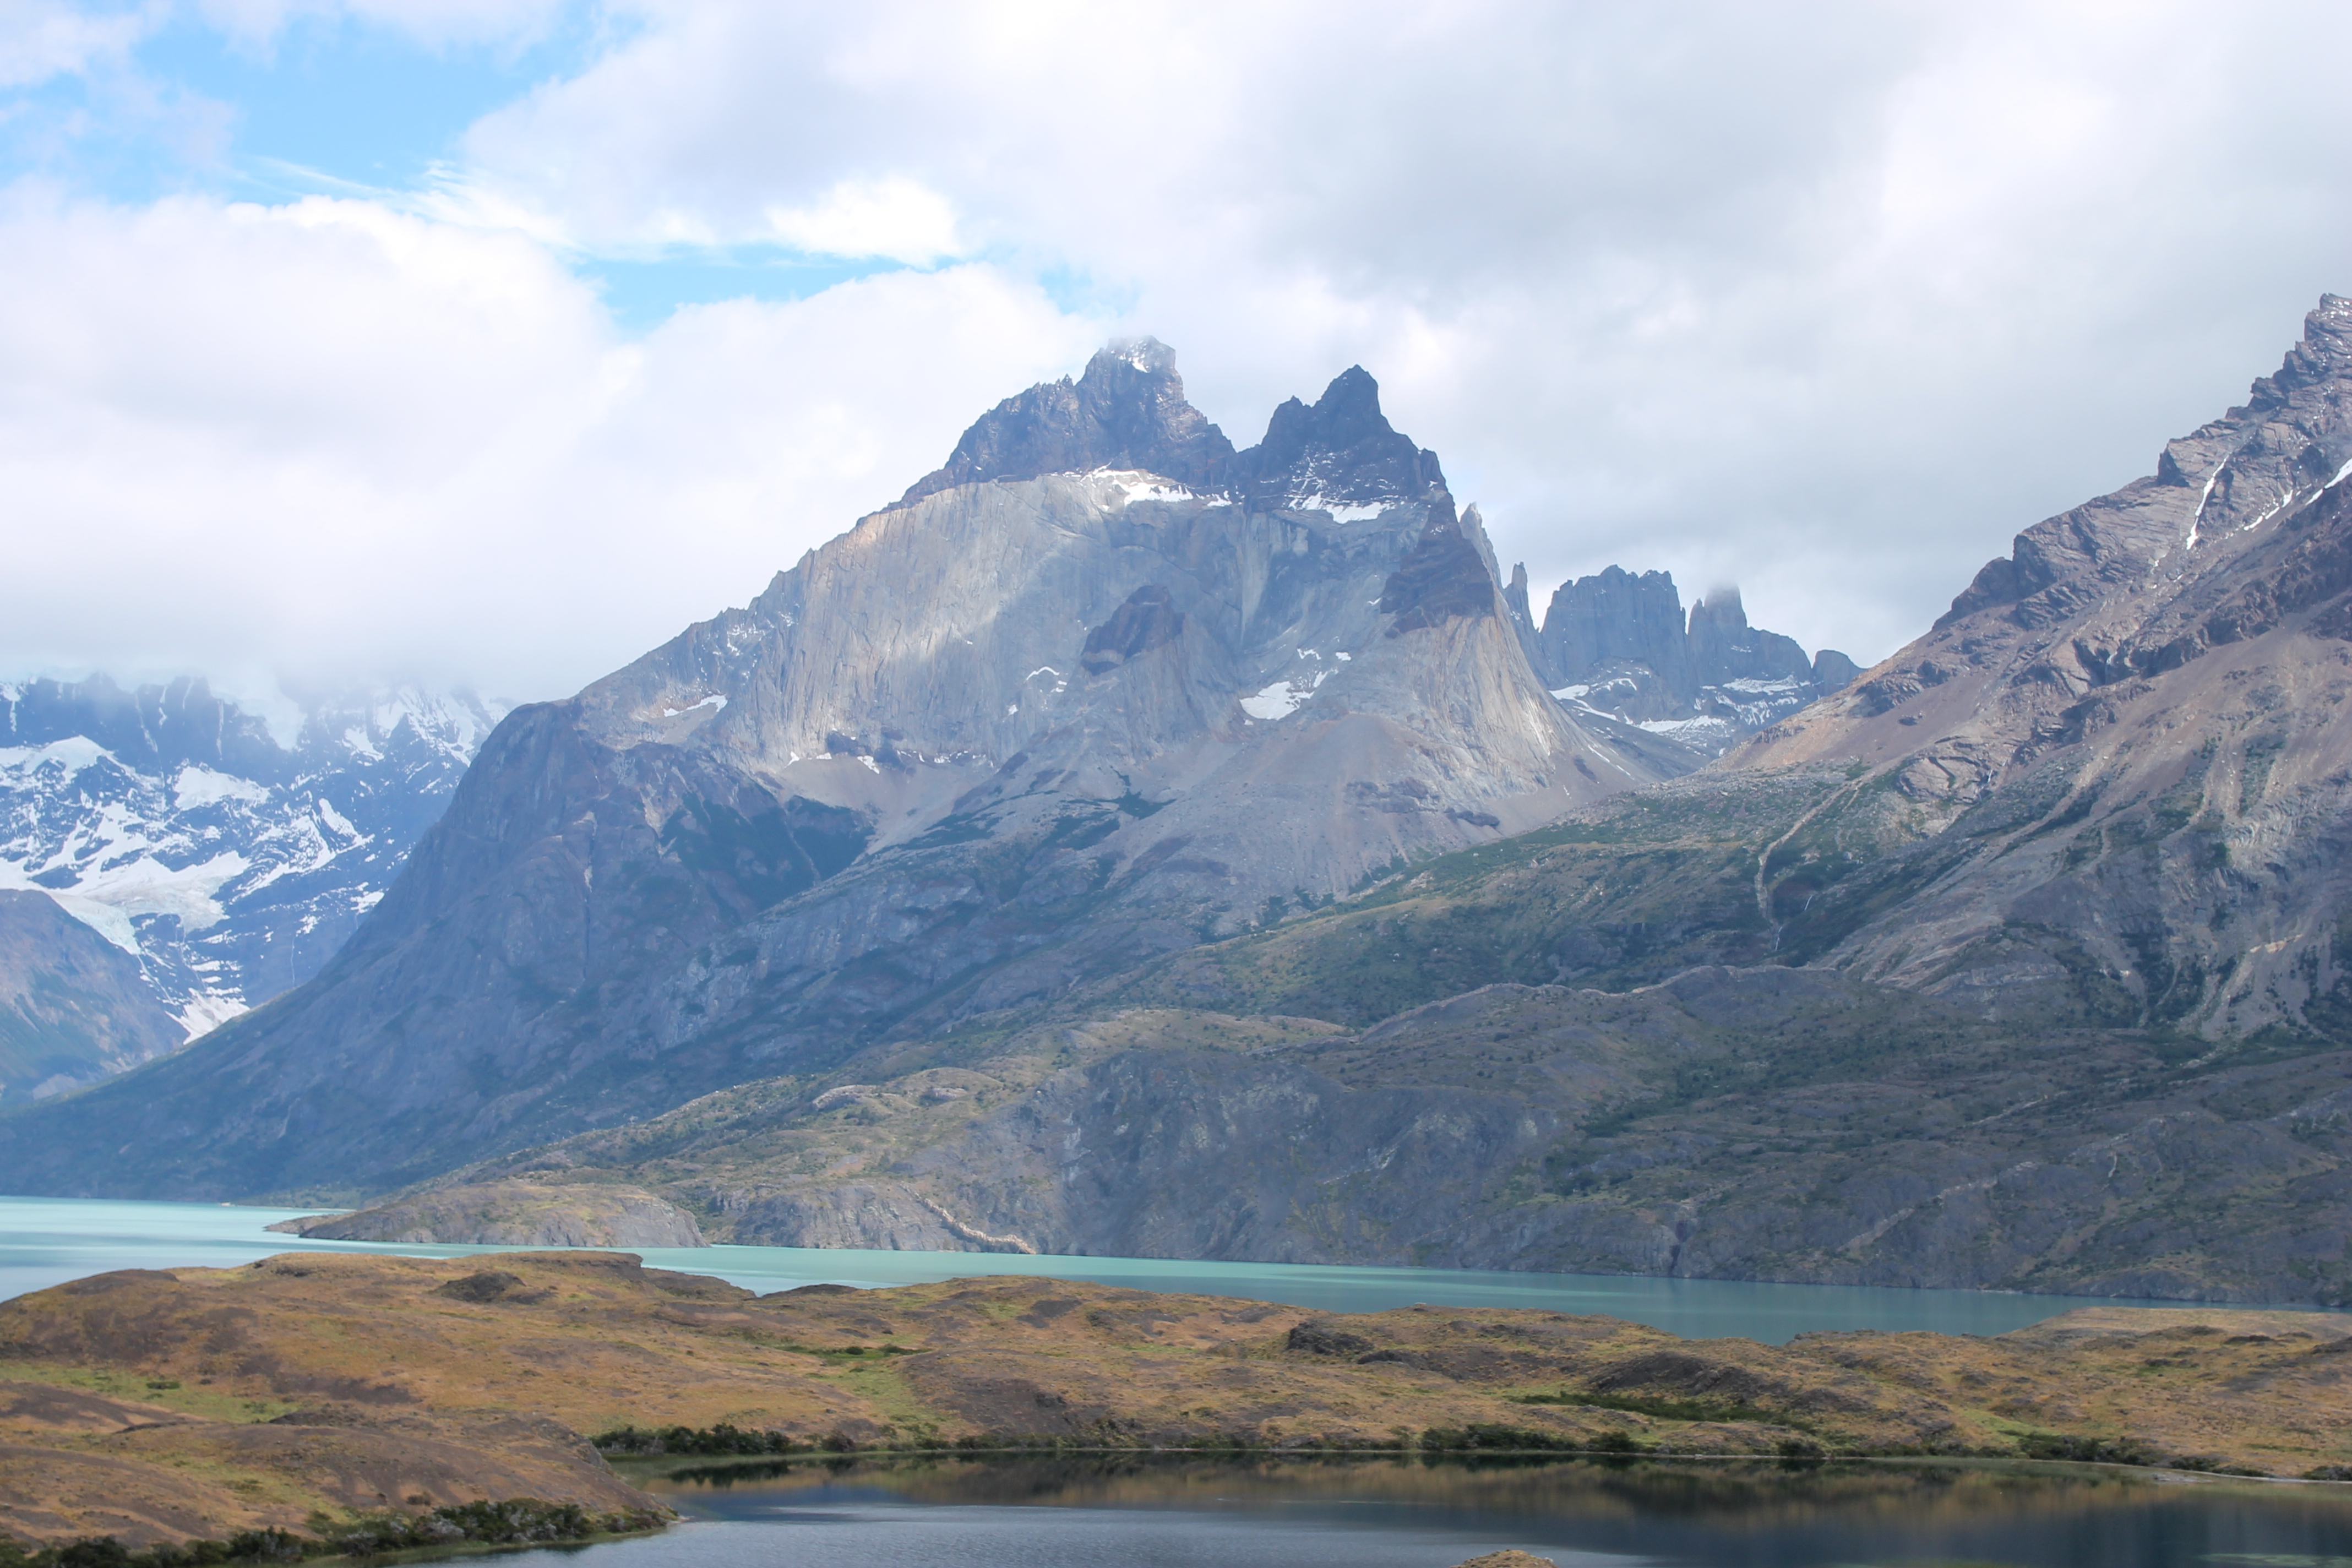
1392	1513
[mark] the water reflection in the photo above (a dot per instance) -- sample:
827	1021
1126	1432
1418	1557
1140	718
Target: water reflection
1373	1512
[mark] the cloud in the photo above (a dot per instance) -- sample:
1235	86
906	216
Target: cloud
896	219
42	39
1833	303
1830	302
335	440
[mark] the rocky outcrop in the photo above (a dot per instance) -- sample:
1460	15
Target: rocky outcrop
514	1214
1615	618
73	1006
1724	648
1021	730
2125	743
1128	411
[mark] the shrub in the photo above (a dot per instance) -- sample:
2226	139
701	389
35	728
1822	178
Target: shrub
515	1523
2091	1450
720	1439
1494	1437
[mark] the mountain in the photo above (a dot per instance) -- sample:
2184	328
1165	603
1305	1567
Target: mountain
2018	964
1058	710
2124	748
1618	643
224	866
73	1006
1028	869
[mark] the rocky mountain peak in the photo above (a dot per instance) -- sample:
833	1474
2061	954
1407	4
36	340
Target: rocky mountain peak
2145	695
1727	647
2324	353
1126	411
1339	452
1620	643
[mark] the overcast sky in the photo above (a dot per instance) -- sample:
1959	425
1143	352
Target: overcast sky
494	341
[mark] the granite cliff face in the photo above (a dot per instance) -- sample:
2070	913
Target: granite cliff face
2122	750
1052	713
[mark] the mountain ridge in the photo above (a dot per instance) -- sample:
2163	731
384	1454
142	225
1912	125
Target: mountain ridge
1154	924
986	744
1829	1009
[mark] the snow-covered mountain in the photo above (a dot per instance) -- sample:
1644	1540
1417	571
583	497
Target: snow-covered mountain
229	861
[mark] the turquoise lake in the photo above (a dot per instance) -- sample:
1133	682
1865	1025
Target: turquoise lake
44	1241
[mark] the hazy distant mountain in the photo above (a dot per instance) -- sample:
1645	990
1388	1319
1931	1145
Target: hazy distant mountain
73	1006
223	866
1619	644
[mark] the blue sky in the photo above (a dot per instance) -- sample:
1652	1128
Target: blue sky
497	340
337	104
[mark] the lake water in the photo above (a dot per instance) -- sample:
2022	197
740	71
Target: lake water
1396	1514
46	1241
1126	1512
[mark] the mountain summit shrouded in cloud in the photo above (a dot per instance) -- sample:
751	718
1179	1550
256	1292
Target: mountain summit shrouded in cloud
492	343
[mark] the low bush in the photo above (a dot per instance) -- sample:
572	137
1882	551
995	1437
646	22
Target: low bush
1492	1436
720	1439
515	1523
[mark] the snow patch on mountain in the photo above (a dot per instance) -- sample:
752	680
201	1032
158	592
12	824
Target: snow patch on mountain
186	830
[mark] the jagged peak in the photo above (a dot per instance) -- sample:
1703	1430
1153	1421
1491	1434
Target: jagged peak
1719	605
1340	450
1128	410
1147	355
2288	444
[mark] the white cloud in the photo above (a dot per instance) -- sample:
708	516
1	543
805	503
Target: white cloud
896	219
338	438
41	39
1832	304
1830	301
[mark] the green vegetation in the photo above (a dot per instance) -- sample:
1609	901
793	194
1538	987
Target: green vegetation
720	1439
518	1521
2126	1450
1668	1409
